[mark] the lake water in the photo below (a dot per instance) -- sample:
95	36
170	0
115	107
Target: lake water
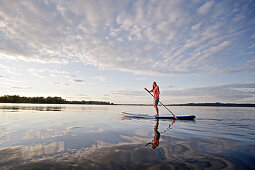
98	137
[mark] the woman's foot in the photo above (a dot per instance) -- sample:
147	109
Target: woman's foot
156	115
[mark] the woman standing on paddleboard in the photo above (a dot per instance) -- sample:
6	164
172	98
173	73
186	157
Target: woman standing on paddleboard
155	90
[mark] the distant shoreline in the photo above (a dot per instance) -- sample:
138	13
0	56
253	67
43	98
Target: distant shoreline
59	100
46	100
201	104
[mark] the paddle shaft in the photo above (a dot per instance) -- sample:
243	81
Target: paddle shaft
162	104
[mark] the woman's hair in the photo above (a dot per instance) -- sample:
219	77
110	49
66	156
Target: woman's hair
154	85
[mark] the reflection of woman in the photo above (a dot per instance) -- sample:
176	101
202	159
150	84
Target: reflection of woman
156	138
155	141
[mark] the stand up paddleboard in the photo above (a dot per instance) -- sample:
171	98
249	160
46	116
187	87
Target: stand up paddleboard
145	116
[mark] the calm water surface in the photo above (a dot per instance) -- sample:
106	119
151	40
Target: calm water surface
98	137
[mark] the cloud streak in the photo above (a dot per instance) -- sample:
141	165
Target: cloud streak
100	78
22	88
77	81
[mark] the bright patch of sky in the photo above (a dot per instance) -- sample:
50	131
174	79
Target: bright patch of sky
197	51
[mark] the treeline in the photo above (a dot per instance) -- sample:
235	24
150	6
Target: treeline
45	100
217	104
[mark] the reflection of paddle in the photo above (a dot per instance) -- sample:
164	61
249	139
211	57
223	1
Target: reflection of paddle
169	127
162	104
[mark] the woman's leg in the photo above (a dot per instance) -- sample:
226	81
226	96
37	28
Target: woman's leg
156	108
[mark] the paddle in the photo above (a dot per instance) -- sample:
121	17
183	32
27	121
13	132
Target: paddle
162	104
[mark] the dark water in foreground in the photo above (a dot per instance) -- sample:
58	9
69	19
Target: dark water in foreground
97	137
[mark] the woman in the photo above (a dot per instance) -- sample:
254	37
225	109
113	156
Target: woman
155	90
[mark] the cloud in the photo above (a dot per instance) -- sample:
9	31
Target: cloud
55	73
8	70
23	88
167	87
141	37
205	7
253	35
141	78
127	92
253	45
8	80
57	83
8	74
42	73
236	92
196	26
77	81
99	78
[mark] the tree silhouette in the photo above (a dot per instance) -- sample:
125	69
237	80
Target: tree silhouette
47	100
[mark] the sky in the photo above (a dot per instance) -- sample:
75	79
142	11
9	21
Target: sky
110	50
